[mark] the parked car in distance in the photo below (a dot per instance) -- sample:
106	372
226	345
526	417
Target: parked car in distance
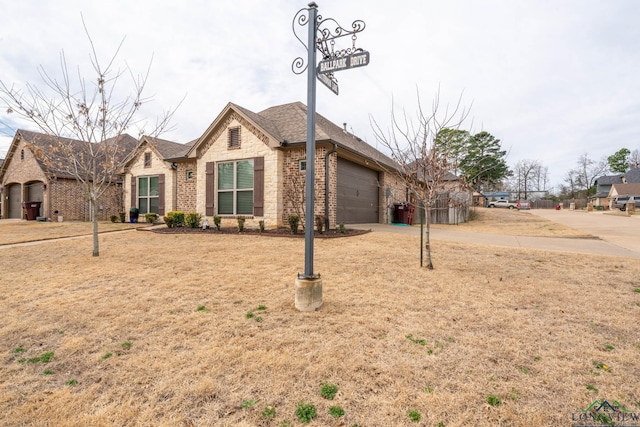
523	204
501	204
620	202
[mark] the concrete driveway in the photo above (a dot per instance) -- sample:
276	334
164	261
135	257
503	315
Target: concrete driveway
613	235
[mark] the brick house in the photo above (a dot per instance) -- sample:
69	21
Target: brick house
253	165
25	177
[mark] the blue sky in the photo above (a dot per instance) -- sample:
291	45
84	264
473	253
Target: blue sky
551	79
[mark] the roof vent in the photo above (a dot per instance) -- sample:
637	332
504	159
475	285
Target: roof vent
344	129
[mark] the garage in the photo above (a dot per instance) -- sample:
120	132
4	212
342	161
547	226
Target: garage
14	201
358	193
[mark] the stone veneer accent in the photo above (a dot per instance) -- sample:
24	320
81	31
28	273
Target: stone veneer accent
252	144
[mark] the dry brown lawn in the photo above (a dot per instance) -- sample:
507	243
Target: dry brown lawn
156	332
514	223
12	231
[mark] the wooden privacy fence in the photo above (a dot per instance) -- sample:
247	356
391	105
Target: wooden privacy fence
566	204
449	208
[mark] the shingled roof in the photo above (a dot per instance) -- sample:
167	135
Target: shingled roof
58	163
632	175
609	180
627	189
169	149
290	122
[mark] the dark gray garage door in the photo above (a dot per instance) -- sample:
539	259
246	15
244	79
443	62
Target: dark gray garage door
357	193
15	202
35	193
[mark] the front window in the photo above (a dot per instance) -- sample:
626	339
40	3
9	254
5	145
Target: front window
148	194
235	188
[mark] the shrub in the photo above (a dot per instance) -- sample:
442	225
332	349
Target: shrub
261	225
216	222
123	217
114	218
320	223
151	217
192	219
176	219
294	223
342	228
241	221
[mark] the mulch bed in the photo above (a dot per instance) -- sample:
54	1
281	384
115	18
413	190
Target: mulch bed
278	232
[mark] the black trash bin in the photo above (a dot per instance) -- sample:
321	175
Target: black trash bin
31	210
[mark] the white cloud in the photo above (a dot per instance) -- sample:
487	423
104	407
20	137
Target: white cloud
551	79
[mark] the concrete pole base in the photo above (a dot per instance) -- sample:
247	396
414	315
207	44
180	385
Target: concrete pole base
308	294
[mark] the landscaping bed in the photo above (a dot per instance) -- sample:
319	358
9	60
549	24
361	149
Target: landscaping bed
276	232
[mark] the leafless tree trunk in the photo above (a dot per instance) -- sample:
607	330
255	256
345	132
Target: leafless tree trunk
421	166
588	171
294	195
634	159
85	124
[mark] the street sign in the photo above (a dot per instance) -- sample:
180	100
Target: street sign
346	62
328	82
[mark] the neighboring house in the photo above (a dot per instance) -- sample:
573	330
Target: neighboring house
624	190
25	177
253	165
603	188
604	185
631	176
493	196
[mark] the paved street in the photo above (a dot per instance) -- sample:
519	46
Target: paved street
613	235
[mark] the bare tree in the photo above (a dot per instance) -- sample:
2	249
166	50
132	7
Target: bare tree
421	165
634	159
588	170
529	176
294	195
571	180
85	123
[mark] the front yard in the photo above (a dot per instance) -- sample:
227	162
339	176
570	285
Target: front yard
201	330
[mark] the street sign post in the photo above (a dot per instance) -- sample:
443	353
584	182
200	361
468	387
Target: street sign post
320	37
328	82
358	59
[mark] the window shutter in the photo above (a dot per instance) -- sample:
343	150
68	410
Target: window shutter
134	194
210	190
258	186
161	194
